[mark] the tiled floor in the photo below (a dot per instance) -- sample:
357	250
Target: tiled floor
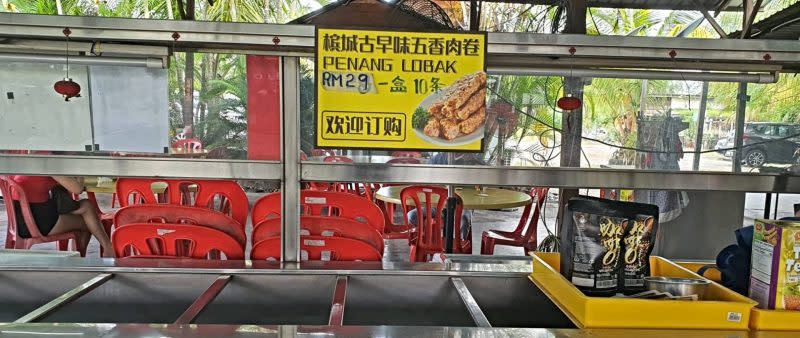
396	250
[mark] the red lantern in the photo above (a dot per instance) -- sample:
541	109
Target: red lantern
68	88
569	102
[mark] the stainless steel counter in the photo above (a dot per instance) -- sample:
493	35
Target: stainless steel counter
141	330
467	296
466	291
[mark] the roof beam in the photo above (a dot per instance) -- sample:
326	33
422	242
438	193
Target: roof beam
714	24
750	12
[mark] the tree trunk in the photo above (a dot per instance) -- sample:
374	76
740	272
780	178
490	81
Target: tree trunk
187	13
188	92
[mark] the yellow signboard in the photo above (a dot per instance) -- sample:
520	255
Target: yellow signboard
400	90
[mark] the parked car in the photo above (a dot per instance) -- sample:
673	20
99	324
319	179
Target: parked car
724	142
766	142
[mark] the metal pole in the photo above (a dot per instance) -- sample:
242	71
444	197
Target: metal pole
572	122
290	185
474	16
701	125
767	205
636	74
738	137
450	208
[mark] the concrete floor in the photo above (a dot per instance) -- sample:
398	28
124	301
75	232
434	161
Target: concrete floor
396	250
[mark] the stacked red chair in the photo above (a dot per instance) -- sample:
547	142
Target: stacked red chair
334	226
322	226
221	195
175	214
220	206
323	203
319	248
166	240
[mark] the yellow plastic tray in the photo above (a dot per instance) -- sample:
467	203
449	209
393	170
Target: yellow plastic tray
761	320
775	320
728	310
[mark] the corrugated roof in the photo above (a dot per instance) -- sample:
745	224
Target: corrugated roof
783	25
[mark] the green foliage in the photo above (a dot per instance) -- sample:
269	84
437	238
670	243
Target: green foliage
307	105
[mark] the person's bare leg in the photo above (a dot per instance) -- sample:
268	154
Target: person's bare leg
85	218
67	223
83	240
89	214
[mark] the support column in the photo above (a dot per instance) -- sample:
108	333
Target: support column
290	185
738	137
263	107
701	125
572	122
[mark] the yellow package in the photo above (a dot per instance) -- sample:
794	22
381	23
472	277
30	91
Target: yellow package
775	266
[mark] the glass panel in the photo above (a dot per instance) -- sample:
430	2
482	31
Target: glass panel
771	130
146	112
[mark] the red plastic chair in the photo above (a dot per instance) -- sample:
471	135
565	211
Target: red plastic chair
322	226
188	146
338	159
176	214
404	160
232	198
413	154
322	152
328	186
427	238
8	188
319	248
524	235
303	156
173	240
323	203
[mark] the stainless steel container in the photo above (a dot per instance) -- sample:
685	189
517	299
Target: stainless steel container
678	286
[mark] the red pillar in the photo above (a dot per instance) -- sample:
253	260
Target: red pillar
263	108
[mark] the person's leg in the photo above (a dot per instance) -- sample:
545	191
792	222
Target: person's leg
412	217
85	218
466	224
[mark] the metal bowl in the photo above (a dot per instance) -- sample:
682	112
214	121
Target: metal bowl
678	286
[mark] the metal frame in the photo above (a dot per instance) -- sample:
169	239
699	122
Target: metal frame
203	300
339	301
551	177
508	53
298	40
469	301
138	167
67	297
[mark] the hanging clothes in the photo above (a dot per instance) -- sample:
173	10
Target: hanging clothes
661	135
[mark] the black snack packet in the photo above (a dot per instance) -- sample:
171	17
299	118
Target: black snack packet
638	242
640	227
591	247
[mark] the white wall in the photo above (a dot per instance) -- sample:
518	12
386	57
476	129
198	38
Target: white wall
37	117
121	108
129	108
